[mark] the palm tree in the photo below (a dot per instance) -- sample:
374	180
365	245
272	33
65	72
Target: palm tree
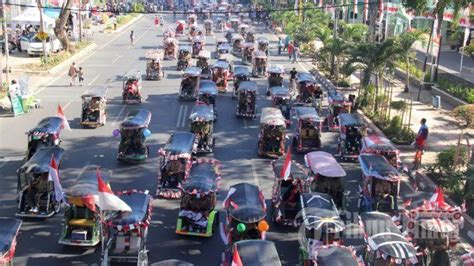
373	59
406	41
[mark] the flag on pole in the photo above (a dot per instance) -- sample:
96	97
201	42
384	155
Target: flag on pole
236	260
61	114
355	8
106	199
53	175
286	169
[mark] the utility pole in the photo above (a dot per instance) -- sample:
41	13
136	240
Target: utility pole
7	51
80	21
43	40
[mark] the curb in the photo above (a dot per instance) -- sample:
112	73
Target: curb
371	124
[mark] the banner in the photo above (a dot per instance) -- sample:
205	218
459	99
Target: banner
17	106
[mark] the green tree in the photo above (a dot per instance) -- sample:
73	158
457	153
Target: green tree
406	41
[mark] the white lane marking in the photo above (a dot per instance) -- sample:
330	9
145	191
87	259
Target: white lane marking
47	84
245	123
179	115
94	79
254	173
119	115
116	58
185	113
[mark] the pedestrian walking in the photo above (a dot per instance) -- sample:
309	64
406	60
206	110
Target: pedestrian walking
296	53
280	45
290	50
80	74
157	21
287	42
132	37
72	73
420	142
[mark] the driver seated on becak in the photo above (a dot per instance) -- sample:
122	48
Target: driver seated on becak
174	169
132	87
352	137
290	197
188	85
38	188
307	129
318	93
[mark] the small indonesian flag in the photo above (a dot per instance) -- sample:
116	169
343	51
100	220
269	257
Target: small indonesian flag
106	199
366	10
286	169
61	114
236	261
53	176
438	197
355	6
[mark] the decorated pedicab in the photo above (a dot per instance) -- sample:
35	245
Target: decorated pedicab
208	26
250	37
228	35
45	134
82	225
237	41
220	24
220	75
133	134
197	214
247	51
228	59
170	46
338	104
434	227
246	210
125	237
192	20
376	144
321	222
184	57
351	130
190	83
94	104
207	94
198	45
241	73
247	99
271	139
253	252
332	255
203	63
202	125
244	29
175	162
275	77
154	70
327	176
263	45
220	41
259	64
308	129
36	187
286	191
9	228
384	243
180	27
281	99
380	185
308	90
132	87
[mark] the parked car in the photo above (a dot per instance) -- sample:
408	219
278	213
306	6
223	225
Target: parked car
34	46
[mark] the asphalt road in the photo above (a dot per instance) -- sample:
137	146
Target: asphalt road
236	148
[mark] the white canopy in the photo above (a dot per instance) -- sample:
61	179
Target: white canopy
32	16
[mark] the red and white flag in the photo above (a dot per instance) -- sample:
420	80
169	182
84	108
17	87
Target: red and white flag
355	7
321	2
106	199
53	176
381	8
366	10
236	260
63	116
286	169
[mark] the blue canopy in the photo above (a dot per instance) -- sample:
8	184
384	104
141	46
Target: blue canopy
248	86
307	113
258	252
49	125
223	46
221	64
86	183
137	119
248	207
179	143
9	228
350	120
202	112
242	71
139	203
377	166
305	77
40	161
193	71
208	87
279	90
202	178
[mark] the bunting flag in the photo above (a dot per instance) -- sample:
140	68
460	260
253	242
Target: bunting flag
286	169
53	176
61	114
106	199
236	260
